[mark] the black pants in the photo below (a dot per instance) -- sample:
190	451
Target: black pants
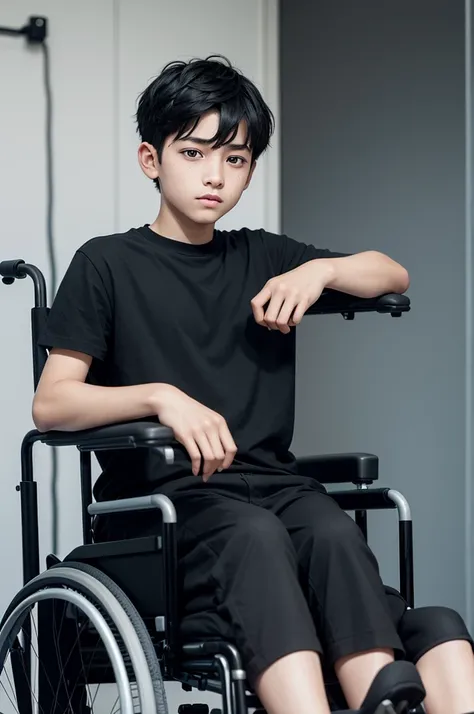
271	563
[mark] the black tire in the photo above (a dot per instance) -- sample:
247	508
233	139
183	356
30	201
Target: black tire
61	575
138	624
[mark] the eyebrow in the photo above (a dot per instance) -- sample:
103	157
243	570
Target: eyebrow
208	142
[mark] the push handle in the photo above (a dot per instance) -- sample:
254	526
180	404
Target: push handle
12	270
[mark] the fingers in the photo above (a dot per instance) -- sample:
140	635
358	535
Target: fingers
229	445
210	459
259	301
282	318
273	311
298	313
213	445
269	317
194	454
279	313
222	449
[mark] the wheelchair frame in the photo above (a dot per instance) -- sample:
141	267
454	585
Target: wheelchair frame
205	657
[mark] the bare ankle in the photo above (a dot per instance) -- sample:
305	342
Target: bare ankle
293	685
356	673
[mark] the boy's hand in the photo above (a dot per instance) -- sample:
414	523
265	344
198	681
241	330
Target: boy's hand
203	432
289	296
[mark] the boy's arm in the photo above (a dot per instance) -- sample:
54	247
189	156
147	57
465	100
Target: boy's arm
64	401
78	328
366	275
283	301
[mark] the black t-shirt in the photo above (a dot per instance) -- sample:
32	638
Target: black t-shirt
152	309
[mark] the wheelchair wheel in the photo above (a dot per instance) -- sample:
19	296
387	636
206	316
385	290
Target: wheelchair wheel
69	633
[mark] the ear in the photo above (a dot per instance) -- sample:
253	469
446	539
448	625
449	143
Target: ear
148	160
249	177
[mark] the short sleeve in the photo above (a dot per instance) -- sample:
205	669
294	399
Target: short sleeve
80	317
287	253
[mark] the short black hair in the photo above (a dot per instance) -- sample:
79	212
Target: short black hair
175	101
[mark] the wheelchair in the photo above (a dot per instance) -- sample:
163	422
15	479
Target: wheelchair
107	614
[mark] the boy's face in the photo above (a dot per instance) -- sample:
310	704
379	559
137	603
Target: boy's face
191	169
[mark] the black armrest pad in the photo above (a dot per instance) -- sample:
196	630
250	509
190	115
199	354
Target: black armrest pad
340	468
126	435
333	301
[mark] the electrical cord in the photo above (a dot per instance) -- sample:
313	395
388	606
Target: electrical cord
35	31
49	169
52	268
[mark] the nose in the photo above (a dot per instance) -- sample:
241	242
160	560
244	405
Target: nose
214	174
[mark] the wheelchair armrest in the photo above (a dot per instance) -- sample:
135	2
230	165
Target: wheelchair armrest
356	468
139	503
125	435
373	499
333	302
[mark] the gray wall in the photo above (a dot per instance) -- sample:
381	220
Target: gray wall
373	131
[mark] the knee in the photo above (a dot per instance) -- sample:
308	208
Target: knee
338	533
261	529
423	628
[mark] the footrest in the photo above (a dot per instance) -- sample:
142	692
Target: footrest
398	686
193	709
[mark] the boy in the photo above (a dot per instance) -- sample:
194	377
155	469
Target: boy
196	326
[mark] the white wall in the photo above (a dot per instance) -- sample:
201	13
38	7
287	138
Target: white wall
102	55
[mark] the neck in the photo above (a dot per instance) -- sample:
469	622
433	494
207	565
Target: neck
174	225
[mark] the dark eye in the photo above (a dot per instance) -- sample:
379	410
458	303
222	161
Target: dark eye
191	153
234	160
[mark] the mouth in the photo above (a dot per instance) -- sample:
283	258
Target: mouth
210	200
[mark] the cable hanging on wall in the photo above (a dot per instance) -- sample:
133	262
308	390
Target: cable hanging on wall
35	32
